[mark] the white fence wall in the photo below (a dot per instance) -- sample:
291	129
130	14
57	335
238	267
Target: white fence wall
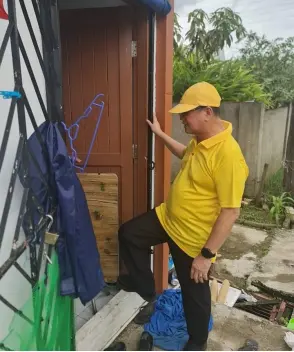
13	286
262	136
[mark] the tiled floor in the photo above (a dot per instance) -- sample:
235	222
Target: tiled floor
85	313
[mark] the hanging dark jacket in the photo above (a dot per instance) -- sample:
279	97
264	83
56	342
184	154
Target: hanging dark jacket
79	260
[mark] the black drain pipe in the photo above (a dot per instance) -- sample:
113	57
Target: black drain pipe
151	66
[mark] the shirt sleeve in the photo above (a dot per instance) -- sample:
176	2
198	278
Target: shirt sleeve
230	177
187	150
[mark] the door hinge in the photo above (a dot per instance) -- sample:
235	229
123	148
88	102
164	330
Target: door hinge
134	48
135	151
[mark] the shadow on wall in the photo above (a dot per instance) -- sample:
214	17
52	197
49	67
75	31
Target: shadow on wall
262	136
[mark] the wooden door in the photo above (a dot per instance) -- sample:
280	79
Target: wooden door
96	57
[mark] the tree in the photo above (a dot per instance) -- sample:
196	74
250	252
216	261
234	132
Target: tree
272	62
195	61
224	24
177	32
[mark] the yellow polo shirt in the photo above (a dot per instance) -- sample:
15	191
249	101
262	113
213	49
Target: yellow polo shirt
212	176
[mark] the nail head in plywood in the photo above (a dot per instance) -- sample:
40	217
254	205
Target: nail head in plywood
101	192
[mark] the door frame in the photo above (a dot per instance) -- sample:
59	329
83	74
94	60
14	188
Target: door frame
140	109
163	97
163	88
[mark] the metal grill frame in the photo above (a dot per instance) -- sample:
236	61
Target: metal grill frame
46	14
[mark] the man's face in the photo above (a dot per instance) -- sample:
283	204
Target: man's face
195	121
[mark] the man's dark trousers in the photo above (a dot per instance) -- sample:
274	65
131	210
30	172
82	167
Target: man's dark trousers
135	240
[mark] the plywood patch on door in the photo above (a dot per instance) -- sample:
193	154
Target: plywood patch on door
101	191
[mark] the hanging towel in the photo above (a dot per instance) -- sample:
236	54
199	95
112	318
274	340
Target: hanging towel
168	324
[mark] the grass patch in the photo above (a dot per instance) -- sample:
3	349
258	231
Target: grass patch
255	214
262	249
274	184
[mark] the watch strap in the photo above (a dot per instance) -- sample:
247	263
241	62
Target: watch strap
206	253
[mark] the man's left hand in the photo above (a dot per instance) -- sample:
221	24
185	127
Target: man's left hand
200	268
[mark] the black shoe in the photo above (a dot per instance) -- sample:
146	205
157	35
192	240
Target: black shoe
116	346
145	313
190	346
125	283
250	345
146	342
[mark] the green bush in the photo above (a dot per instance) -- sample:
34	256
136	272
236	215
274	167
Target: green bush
278	206
272	63
274	184
233	81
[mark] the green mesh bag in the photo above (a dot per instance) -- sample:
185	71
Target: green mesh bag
46	322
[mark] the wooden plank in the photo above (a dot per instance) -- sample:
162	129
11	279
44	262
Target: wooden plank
101	191
258	201
256	304
273	292
99	332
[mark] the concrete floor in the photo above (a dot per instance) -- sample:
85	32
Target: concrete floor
247	255
251	254
231	329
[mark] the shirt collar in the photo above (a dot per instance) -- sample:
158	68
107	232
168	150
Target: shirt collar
220	137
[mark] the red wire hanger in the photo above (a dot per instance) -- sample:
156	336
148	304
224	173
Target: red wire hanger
3	13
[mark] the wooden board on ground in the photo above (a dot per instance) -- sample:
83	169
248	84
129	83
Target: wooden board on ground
101	191
99	332
232	295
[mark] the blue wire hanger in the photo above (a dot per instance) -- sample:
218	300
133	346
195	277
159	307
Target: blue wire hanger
73	131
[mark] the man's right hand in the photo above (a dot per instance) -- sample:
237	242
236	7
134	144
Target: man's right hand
178	149
155	126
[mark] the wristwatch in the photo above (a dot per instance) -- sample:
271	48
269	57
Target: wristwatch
206	253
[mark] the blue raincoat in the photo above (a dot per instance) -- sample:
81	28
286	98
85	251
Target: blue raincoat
79	260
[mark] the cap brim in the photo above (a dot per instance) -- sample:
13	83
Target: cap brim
181	108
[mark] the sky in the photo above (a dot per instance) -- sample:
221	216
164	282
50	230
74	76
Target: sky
274	18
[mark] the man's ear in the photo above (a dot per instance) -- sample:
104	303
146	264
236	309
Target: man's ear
209	111
208	114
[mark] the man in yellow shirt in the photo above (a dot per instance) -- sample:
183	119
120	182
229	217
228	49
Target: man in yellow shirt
202	206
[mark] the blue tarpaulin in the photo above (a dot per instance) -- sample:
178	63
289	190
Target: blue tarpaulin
168	324
79	260
162	7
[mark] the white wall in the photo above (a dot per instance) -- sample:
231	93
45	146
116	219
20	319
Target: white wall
13	286
261	135
275	137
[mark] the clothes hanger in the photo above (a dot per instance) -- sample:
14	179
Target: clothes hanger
73	130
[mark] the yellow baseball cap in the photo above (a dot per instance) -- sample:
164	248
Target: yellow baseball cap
200	94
